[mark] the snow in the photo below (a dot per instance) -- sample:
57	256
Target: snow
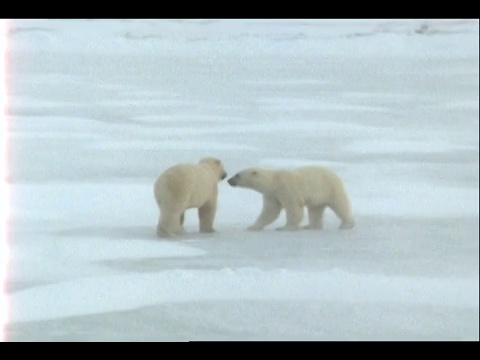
134	291
98	108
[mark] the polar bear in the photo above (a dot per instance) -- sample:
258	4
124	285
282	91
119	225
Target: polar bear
186	186
315	187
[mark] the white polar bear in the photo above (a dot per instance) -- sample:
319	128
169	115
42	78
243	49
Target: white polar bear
186	186
312	186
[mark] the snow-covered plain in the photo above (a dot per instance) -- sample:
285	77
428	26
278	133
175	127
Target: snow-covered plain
98	108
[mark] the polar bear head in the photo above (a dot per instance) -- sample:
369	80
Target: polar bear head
215	165
258	179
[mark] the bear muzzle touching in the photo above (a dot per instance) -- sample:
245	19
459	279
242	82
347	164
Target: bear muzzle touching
233	181
224	175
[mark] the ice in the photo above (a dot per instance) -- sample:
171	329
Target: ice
97	109
73	298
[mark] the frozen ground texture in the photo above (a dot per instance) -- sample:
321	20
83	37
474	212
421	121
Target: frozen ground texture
97	109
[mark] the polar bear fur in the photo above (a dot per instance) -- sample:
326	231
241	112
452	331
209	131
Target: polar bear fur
186	186
312	186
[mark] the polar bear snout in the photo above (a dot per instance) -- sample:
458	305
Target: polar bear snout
224	175
233	181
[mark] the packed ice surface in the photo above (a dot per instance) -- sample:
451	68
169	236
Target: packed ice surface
98	108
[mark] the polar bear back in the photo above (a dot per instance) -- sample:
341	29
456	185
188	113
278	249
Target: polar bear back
318	184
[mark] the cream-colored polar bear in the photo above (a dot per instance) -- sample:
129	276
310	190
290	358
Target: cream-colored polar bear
186	186
312	186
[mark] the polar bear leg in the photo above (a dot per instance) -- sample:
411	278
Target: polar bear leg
315	217
270	211
347	224
294	217
206	216
342	210
169	223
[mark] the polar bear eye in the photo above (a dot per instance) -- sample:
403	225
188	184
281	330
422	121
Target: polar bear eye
254	173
